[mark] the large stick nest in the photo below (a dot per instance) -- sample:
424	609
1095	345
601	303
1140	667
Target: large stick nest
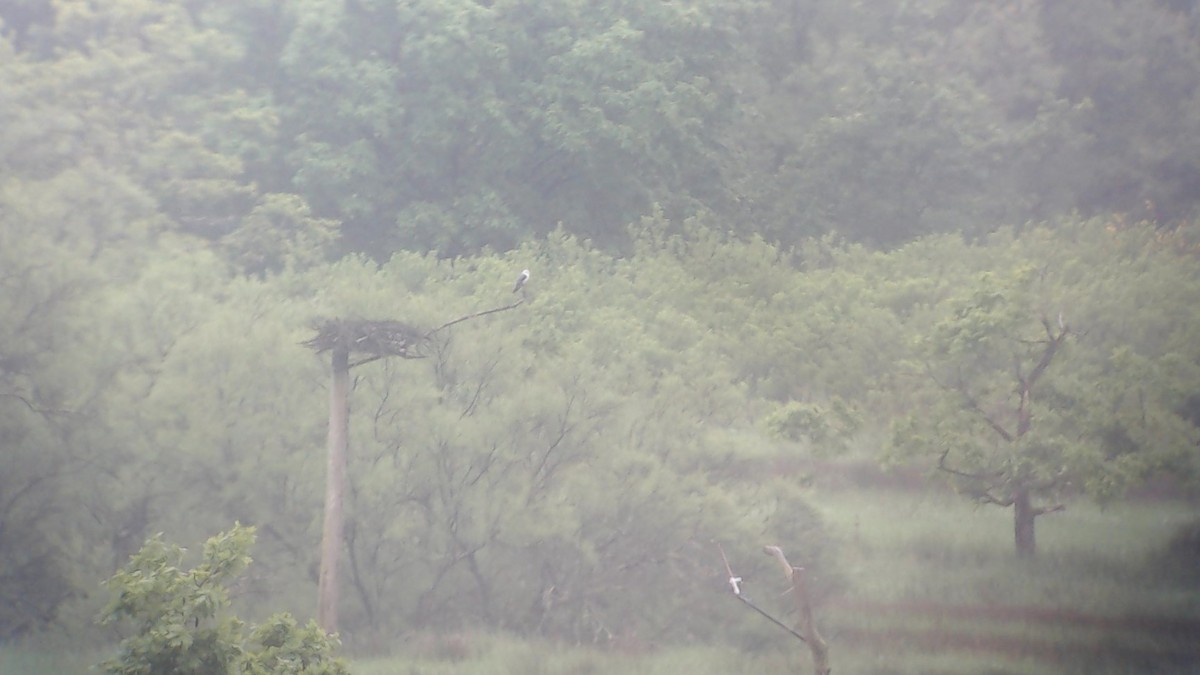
376	338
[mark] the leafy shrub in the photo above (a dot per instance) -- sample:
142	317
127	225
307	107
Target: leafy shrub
180	625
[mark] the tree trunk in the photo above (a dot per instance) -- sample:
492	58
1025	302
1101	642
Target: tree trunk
335	480
1023	523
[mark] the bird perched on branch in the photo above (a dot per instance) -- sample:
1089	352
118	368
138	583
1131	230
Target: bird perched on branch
521	281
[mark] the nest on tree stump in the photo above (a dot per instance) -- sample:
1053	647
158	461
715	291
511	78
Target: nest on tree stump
376	338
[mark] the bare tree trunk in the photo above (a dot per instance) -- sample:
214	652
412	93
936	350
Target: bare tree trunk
335	481
1024	516
356	578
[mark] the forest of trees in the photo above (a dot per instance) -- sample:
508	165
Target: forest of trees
955	235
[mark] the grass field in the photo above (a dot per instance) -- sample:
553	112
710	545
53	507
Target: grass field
933	587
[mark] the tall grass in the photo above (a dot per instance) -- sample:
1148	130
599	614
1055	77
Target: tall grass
512	656
932	545
933	586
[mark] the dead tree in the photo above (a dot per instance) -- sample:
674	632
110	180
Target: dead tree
367	341
808	626
806	632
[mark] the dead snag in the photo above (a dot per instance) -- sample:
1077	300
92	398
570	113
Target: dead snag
808	627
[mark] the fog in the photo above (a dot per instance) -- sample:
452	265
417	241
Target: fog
516	330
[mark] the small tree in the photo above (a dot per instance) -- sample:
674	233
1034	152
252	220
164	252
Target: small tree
994	429
181	625
1023	408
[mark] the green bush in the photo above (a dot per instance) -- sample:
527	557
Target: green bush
181	625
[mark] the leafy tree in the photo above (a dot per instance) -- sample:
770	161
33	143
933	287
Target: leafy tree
1137	69
1033	394
56	252
132	100
455	126
182	625
885	123
191	428
993	358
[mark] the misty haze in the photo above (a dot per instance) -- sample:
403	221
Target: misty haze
599	337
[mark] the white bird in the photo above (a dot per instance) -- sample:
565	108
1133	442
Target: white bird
521	281
733	583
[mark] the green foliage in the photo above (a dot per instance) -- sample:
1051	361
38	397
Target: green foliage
167	605
280	646
176	178
459	127
827	428
490	122
550	475
1032	386
279	231
1117	59
181	623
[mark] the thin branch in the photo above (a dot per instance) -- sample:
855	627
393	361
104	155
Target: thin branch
1048	509
483	382
1047	484
972	404
476	315
22	399
965	474
1048	354
45	412
983	494
987	497
370	359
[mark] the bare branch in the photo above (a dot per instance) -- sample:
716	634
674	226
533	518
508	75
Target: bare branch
484	380
961	389
476	315
22	399
1049	509
983	494
777	553
987	497
1054	342
45	412
368	360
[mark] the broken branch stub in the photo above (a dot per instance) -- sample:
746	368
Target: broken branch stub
808	626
